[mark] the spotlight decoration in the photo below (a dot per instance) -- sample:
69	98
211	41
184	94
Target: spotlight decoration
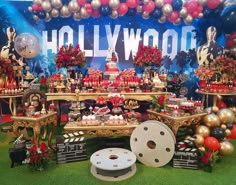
174	11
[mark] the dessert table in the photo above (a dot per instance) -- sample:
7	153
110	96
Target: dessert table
101	130
36	123
175	122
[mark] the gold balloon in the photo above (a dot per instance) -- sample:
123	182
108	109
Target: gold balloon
83	12
183	12
199	140
233	109
39	2
233	50
65	12
211	120
114	14
95	4
145	15
188	19
167	9
202	148
162	19
203	130
46	5
36	18
55	13
219	97
114	4
227	132
159	3
77	16
73	6
202	1
48	17
226	116
177	22
56	3
200	15
226	148
215	109
223	126
139	9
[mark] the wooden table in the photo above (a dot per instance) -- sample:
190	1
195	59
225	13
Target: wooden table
175	122
101	130
36	123
12	101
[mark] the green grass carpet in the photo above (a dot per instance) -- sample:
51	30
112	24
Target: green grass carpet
78	173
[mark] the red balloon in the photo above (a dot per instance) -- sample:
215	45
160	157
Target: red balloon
212	143
230	41
132	3
233	133
191	6
195	13
149	7
81	2
212	4
173	16
95	13
122	9
168	1
37	7
221	104
199	8
104	2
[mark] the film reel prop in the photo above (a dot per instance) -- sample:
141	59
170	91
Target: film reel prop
153	143
113	164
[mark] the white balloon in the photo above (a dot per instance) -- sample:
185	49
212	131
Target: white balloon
159	3
46	5
36	18
27	45
83	12
114	14
145	15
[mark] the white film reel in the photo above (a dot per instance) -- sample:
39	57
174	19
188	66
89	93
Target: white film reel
153	143
113	164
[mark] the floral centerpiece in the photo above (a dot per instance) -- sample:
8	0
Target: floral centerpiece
148	56
204	73
38	156
68	56
208	159
224	65
158	102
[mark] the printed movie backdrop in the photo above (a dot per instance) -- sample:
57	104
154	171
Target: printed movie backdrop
96	35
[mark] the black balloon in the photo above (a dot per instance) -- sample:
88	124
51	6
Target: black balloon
131	12
228	18
105	10
177	5
229	126
218	133
42	15
157	13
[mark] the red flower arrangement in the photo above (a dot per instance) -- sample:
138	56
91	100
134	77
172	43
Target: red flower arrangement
6	67
70	56
224	65
208	159
159	102
38	156
204	73
148	56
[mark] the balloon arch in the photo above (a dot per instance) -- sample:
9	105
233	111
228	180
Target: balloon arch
174	11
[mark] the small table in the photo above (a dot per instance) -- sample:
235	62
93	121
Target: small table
36	123
175	122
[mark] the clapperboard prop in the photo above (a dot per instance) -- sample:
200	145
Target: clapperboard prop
186	155
71	147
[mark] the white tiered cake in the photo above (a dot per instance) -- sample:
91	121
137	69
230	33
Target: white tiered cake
111	69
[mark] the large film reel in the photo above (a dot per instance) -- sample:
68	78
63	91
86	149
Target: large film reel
153	143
